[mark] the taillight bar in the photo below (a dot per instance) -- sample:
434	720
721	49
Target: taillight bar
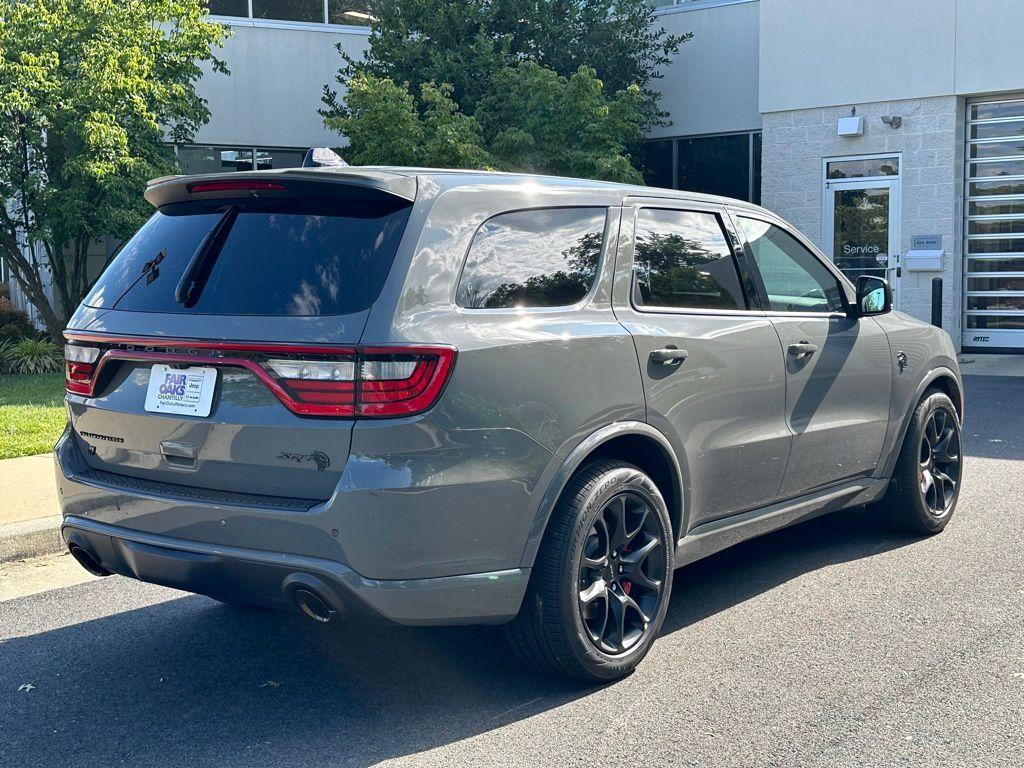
310	380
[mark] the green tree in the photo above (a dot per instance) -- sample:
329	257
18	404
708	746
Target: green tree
465	42
535	120
386	125
90	92
561	86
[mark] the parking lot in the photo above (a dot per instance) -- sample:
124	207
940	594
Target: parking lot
833	643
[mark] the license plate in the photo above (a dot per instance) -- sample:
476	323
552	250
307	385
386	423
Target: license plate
187	391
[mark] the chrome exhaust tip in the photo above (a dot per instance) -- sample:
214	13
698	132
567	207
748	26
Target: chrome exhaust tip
314	606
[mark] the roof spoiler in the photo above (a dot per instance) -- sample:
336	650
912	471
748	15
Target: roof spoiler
290	182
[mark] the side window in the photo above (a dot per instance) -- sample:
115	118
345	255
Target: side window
546	257
682	259
794	278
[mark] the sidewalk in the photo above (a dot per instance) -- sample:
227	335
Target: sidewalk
991	365
29	515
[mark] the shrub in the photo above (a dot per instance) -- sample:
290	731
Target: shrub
31	356
14	322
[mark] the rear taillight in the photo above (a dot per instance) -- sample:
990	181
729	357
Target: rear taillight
315	380
375	382
80	368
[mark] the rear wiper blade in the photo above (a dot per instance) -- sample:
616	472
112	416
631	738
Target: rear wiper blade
150	271
198	268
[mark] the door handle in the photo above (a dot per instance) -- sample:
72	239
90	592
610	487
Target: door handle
668	356
802	350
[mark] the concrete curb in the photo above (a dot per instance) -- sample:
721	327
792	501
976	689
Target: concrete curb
30	538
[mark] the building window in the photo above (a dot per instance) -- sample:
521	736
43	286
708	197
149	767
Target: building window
228	7
862	168
204	158
661	5
725	164
347	12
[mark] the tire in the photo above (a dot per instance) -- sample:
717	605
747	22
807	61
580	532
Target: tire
585	578
925	484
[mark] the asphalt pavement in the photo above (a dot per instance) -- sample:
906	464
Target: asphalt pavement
833	643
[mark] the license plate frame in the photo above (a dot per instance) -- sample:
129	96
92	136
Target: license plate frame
181	391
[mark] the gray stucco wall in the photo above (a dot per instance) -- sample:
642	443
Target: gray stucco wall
711	85
277	78
930	142
833	52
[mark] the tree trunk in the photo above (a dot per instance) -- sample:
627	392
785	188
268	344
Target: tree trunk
31	283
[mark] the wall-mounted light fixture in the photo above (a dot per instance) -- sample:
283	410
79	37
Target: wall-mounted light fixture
850	126
893	121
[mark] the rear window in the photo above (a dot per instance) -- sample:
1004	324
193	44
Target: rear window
275	257
544	257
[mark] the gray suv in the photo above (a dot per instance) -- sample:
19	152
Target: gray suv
453	397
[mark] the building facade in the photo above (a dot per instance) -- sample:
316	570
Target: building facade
891	133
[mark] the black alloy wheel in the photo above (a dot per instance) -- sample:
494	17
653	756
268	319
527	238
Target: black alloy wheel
600	586
620	582
926	481
939	457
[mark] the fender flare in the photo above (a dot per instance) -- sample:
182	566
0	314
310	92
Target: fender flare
575	460
933	375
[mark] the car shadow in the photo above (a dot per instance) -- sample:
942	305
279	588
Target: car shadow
188	681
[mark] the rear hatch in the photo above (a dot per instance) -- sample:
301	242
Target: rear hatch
219	349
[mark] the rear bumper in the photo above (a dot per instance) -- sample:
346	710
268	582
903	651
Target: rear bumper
109	522
270	579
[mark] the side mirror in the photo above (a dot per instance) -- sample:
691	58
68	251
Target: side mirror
874	296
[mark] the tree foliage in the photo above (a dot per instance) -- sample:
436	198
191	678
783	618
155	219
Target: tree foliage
534	121
559	86
90	91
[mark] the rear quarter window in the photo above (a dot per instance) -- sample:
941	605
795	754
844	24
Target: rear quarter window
545	257
279	257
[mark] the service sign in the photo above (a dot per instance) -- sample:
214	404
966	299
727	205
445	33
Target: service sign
188	391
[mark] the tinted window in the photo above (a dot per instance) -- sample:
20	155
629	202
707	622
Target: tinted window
278	258
657	163
537	258
794	278
229	7
289	10
719	165
682	259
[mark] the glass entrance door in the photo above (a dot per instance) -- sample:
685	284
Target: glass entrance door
861	228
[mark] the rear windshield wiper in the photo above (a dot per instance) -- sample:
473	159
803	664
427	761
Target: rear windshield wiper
199	266
150	271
